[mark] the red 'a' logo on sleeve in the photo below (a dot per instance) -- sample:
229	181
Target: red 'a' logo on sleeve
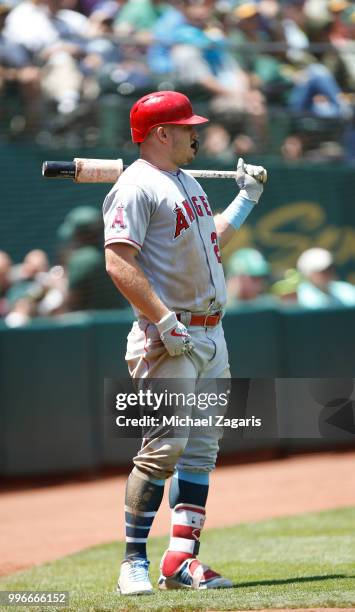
118	220
181	222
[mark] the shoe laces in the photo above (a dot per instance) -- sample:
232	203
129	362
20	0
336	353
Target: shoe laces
138	570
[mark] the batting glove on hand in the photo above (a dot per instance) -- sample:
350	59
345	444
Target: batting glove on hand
250	179
175	336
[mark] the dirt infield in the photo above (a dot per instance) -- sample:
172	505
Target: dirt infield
43	524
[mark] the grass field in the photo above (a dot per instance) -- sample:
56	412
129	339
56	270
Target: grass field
299	562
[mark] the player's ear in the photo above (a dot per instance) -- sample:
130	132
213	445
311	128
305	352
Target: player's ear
162	133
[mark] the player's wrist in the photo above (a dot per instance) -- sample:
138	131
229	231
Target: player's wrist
167	322
238	210
252	192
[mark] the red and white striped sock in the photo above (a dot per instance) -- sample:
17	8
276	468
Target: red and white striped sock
187	522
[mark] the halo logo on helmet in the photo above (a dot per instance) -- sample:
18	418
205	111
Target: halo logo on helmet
160	108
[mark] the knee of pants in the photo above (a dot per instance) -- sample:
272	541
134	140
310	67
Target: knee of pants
158	458
200	455
317	70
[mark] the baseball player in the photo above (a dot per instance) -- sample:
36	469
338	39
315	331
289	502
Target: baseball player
162	246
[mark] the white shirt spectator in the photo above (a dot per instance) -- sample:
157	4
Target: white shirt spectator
33	26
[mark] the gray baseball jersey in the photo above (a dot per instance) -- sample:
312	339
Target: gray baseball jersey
166	216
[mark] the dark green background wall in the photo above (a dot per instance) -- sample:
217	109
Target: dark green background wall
52	375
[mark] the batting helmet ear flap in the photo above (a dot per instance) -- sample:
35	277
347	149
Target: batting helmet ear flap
160	108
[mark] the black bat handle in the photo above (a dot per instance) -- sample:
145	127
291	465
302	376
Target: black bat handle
58	169
61	169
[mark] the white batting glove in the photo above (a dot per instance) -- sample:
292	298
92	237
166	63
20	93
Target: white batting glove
175	336
250	179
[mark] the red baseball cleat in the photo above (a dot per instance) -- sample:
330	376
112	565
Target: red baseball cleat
191	574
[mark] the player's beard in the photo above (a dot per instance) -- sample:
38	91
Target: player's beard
184	151
194	146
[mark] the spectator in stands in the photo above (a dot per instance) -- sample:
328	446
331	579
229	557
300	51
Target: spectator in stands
28	276
34	266
192	48
12	54
319	287
243	145
216	143
317	10
47	287
55	289
36	289
330	56
285	289
249	28
296	76
29	285
247	277
72	51
342	38
315	88
139	16
89	287
339	31
22	310
56	38
292	148
17	72
299	147
88	7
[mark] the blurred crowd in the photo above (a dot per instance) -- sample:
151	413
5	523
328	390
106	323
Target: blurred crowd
243	58
313	283
78	281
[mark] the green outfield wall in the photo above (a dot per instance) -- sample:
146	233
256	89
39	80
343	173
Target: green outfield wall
52	372
304	205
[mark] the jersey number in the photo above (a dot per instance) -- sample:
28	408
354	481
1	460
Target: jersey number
214	241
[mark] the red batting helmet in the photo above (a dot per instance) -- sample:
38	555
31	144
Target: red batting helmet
159	108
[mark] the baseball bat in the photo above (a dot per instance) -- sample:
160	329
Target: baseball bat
83	170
